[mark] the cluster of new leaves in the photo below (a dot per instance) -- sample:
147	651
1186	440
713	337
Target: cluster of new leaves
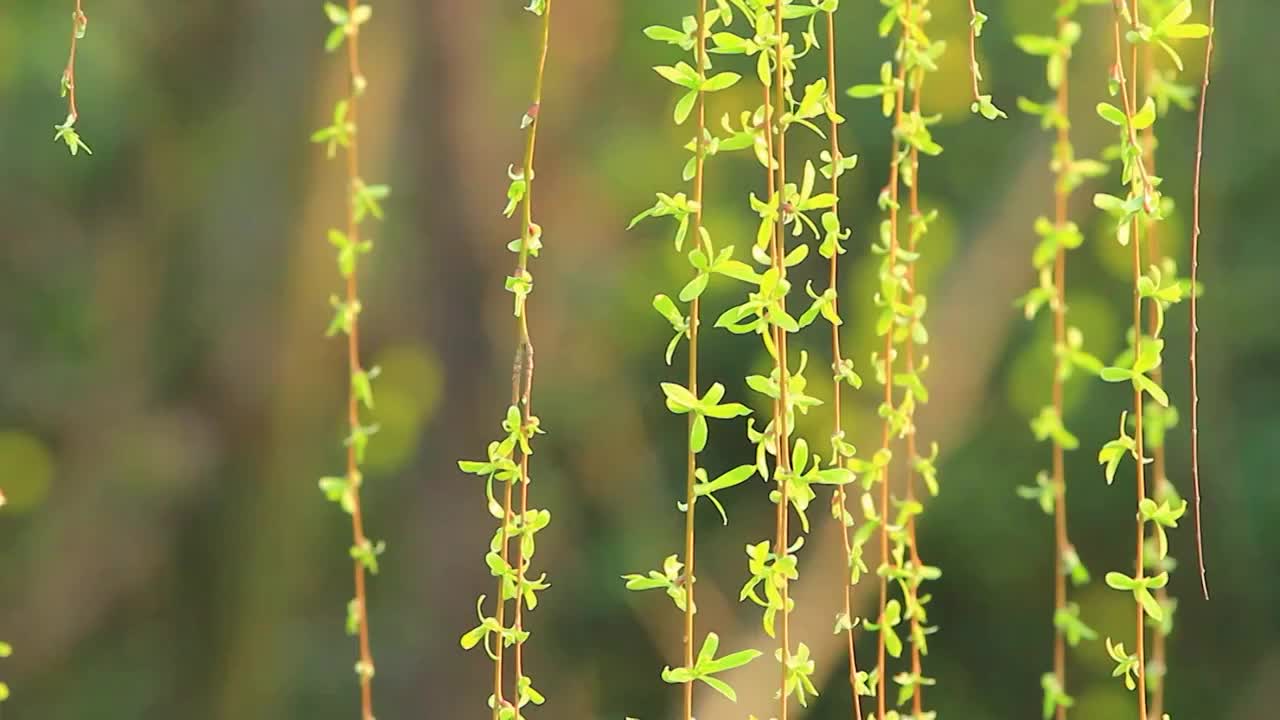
801	476
507	459
514	583
770	571
707	665
503	465
670	579
1156	288
680	401
65	132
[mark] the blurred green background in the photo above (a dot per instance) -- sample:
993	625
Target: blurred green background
168	399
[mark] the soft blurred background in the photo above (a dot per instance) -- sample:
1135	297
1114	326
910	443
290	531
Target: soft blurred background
168	399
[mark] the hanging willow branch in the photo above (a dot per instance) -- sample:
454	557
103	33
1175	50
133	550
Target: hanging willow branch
841	450
897	319
1135	214
66	131
1159	77
913	572
677	578
783	433
1057	237
362	202
1133	666
508	458
982	103
1195	275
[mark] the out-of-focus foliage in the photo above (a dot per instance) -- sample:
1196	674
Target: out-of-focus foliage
168	397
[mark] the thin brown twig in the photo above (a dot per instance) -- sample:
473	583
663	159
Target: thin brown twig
1159	646
356	82
1139	559
836	361
1062	543
694	322
1129	98
1195	269
775	253
499	647
886	436
1129	93
974	72
1139	439
522	385
784	442
913	232
79	21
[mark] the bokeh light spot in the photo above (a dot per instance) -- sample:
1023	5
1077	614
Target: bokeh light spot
28	470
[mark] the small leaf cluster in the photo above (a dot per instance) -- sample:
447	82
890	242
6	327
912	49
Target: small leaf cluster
1173	25
707	665
65	132
770	572
671	579
345	23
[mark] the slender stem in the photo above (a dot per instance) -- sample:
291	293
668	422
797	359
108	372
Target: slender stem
356	81
973	51
521	560
1061	542
913	230
499	647
886	435
783	444
837	362
774	253
1062	545
1159	649
694	322
1129	93
1129	96
1140	630
78	22
1195	270
522	381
